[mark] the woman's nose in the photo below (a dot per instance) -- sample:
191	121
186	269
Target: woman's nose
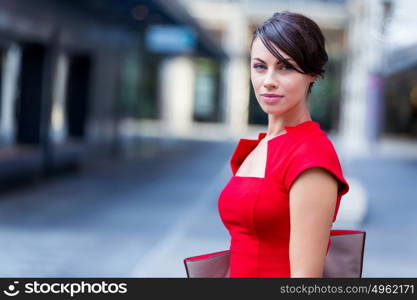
270	82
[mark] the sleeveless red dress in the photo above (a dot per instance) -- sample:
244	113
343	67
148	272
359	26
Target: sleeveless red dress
255	210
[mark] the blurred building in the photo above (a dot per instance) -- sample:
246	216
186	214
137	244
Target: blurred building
399	71
72	69
380	75
400	92
229	107
78	77
359	101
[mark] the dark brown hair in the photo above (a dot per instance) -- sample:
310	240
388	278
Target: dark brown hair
299	37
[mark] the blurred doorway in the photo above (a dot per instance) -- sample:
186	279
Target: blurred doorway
29	101
207	91
77	94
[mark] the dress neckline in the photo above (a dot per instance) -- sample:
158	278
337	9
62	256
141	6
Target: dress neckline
301	127
245	146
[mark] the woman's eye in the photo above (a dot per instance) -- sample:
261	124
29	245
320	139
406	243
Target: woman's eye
287	67
281	67
257	66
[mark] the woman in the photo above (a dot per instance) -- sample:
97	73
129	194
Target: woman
286	187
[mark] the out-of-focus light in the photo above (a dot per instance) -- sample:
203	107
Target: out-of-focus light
170	39
139	12
57	119
413	97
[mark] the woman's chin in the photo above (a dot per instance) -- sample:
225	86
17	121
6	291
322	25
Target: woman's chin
272	110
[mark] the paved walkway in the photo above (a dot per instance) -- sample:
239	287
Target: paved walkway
103	221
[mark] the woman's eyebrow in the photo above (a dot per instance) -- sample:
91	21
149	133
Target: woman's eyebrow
287	58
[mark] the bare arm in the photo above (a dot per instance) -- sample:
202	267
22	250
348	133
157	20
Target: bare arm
312	204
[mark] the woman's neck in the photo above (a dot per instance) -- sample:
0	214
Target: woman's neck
276	123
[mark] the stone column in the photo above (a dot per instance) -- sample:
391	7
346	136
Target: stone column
176	94
236	42
360	121
10	72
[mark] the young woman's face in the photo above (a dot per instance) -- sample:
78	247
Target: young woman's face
268	76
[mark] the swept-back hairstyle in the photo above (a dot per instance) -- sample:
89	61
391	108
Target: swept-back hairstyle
299	37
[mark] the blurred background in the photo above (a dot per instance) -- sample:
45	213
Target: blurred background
118	119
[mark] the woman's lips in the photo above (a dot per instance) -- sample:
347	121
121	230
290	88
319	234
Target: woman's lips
271	99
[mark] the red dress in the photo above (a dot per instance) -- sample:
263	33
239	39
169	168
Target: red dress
255	210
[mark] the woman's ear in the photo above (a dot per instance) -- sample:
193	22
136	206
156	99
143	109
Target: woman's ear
313	78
